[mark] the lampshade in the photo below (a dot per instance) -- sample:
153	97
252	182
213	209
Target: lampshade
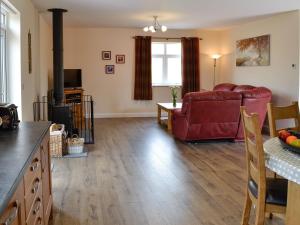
216	56
163	28
151	28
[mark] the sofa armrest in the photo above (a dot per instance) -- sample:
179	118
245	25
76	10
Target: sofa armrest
179	124
178	113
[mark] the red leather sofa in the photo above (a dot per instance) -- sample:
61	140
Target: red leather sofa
216	114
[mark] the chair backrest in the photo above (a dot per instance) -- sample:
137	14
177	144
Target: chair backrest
254	151
276	113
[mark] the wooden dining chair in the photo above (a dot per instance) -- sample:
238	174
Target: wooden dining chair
276	113
269	195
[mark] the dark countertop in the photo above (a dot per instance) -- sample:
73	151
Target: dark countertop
17	148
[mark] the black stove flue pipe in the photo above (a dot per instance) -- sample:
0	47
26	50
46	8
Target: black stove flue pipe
58	62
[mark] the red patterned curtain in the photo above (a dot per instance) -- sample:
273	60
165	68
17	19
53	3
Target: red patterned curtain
142	82
190	65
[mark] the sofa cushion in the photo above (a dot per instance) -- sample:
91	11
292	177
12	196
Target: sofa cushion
212	95
208	96
259	92
255	101
224	87
241	88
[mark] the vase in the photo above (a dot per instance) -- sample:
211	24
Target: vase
174	102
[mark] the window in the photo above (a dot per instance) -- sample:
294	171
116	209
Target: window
166	63
3	57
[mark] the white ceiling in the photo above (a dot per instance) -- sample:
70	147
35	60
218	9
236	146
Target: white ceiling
176	14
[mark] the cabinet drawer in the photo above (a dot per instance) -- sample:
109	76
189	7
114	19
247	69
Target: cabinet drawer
39	219
36	185
33	171
36	210
14	213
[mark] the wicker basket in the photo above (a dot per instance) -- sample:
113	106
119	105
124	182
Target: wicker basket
75	144
57	140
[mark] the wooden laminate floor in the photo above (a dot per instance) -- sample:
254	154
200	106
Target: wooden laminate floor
137	174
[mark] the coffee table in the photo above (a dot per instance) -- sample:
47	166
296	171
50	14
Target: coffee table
168	107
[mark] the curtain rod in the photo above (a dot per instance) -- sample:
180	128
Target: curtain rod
166	38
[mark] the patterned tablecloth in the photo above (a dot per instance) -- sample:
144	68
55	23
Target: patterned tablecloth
281	161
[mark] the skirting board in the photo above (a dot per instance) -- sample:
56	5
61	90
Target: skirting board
122	115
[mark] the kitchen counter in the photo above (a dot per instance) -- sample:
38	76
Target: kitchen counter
17	148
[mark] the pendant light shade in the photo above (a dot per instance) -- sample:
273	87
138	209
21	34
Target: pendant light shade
155	27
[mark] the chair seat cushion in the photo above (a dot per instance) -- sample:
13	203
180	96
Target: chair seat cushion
276	190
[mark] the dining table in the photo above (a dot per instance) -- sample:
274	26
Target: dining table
287	165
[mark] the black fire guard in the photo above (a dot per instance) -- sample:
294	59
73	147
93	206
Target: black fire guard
77	117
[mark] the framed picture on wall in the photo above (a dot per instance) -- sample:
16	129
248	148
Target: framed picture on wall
120	59
253	51
106	55
109	69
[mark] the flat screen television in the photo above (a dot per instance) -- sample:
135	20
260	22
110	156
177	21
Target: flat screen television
72	78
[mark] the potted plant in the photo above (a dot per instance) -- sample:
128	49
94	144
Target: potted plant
174	94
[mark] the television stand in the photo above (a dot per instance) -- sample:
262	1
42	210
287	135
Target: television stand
75	97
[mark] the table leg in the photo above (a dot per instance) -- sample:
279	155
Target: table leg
170	120
293	204
158	114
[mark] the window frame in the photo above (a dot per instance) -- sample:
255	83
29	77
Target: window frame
165	58
3	55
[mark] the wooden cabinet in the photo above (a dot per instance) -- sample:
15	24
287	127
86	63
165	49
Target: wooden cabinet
14	214
46	179
75	97
31	203
32	185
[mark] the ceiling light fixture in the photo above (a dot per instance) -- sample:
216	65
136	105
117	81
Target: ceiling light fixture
155	27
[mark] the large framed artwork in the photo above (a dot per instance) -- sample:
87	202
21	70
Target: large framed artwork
253	51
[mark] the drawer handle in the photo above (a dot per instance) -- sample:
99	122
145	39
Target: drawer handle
38	206
39	221
34	166
13	214
35	186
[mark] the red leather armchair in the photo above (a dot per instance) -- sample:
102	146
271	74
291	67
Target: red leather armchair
216	114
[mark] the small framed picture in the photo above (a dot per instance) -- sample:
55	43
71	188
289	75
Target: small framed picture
106	55
120	59
109	69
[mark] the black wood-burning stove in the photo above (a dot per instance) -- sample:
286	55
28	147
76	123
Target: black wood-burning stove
59	112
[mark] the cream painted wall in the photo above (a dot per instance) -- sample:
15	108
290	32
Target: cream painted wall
280	77
113	94
46	56
29	82
209	45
